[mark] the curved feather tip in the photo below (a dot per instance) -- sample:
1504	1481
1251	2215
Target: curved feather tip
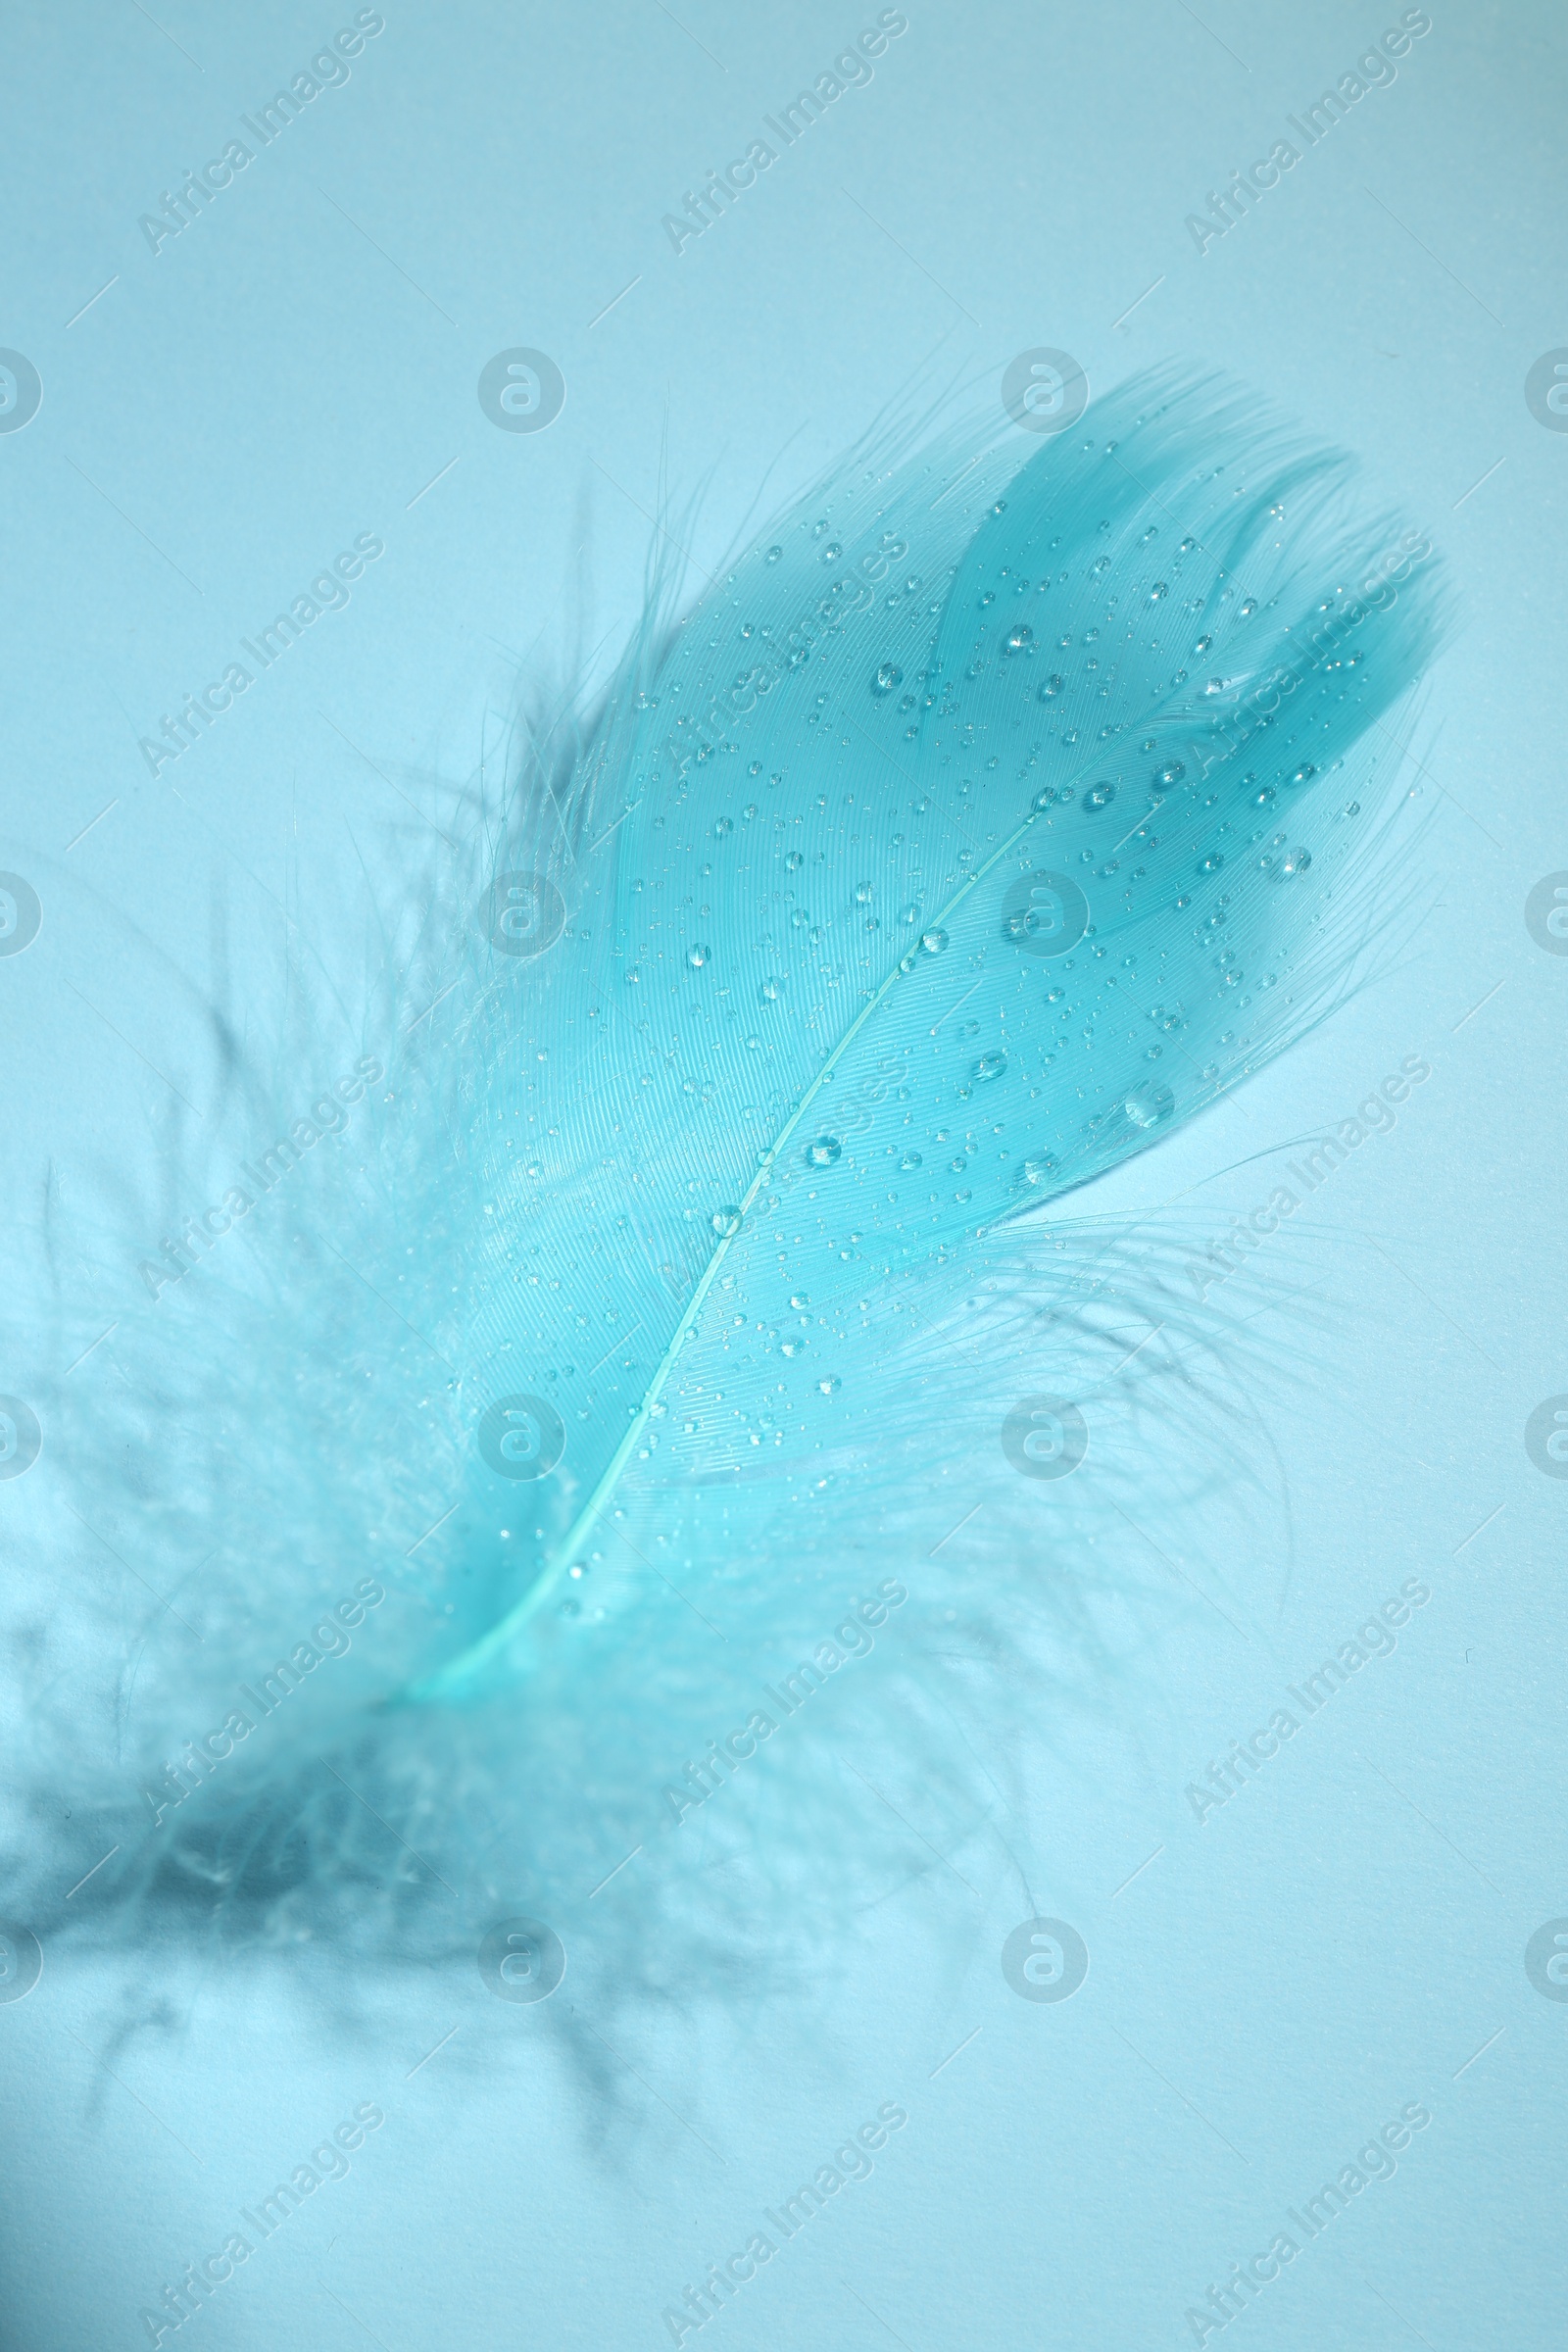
991	815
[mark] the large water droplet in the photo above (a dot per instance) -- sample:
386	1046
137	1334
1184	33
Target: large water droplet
792	1347
991	1065
887	677
824	1151
1303	774
910	1159
830	1384
771	991
1149	1105
1037	1171
933	942
1100	796
1295	862
798	1299
727	1223
1171	774
773	555
1156	592
794	863
698	954
1052	687
1021	638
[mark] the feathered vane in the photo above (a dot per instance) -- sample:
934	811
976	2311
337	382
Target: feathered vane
535	1475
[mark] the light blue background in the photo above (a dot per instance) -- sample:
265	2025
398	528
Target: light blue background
224	418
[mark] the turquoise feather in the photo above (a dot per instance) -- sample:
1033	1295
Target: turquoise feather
983	823
986	820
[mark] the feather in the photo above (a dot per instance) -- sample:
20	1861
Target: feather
699	1244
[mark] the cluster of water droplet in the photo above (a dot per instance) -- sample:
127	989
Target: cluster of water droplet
844	767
